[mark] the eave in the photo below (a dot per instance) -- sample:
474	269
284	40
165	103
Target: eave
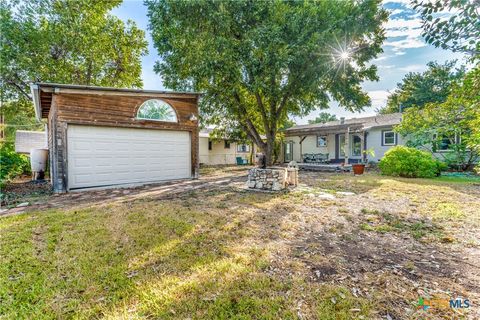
325	130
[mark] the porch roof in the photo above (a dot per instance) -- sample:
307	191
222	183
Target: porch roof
353	125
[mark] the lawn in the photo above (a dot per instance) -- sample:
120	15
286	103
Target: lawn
318	252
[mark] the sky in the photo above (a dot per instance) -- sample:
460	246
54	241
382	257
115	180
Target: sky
404	51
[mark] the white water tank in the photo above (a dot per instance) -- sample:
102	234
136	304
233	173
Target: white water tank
38	162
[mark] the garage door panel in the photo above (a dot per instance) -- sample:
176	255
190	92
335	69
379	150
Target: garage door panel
101	156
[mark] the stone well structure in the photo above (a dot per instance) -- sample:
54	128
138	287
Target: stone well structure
274	179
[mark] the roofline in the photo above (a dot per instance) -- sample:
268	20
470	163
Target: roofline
34	88
97	88
326	126
51	88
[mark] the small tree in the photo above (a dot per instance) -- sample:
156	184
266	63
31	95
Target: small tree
259	62
323	117
456	122
418	89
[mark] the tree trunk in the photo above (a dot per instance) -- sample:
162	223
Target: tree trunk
269	146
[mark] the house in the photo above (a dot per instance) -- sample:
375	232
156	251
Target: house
223	151
99	137
343	141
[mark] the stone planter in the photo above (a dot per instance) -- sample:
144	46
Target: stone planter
273	179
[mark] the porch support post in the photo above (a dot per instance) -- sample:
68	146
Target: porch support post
301	141
347	143
364	153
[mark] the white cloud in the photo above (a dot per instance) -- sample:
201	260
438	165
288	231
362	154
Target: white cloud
403	2
381	58
413	68
404	34
396	11
379	98
407	43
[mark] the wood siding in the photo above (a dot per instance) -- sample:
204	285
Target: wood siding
116	110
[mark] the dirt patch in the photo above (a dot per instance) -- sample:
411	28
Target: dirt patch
40	197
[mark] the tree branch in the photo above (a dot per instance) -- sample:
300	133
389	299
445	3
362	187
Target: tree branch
19	87
262	111
282	104
248	123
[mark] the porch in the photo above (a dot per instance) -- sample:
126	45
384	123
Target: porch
327	148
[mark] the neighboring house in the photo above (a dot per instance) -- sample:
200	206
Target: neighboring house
343	140
99	137
222	151
27	140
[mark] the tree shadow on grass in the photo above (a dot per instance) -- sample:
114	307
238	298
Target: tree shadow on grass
148	256
398	268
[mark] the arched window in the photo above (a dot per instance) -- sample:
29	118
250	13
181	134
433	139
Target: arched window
156	110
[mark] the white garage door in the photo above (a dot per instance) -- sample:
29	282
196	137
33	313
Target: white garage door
103	156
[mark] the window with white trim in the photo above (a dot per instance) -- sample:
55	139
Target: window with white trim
321	141
388	138
444	143
243	148
156	110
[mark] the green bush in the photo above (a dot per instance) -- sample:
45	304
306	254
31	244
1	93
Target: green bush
12	164
477	169
411	163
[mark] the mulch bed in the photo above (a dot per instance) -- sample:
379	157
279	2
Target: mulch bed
22	190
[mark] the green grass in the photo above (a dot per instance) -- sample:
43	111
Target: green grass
458	179
339	304
384	222
148	259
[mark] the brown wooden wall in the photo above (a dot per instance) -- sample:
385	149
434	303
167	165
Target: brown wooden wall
116	110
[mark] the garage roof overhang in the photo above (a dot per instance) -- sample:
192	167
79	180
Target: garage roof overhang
42	94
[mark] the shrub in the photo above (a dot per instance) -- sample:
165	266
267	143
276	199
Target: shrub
477	169
12	164
411	163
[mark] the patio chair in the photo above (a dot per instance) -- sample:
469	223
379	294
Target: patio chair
241	161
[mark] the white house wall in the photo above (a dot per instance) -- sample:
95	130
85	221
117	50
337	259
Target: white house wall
219	154
374	140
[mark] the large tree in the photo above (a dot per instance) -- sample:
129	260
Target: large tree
67	41
420	88
259	62
64	41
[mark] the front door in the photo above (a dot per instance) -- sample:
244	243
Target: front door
288	156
